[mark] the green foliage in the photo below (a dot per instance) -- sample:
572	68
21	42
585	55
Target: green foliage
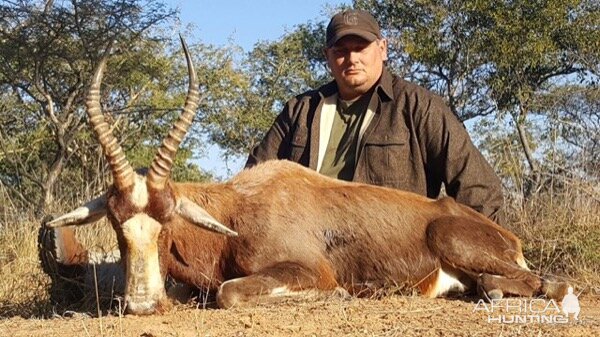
224	110
531	47
487	55
529	43
435	43
572	113
242	98
141	156
491	57
47	55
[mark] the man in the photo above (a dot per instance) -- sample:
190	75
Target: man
371	126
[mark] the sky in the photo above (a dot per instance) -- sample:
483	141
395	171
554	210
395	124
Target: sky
247	22
244	23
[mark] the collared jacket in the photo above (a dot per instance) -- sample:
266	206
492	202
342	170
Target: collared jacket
411	142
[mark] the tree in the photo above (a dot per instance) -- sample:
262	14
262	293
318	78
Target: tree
243	97
573	114
532	46
47	53
435	43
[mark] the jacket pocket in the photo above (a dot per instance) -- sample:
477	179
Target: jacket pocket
298	143
387	158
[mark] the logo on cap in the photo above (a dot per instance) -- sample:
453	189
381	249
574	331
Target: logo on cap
351	18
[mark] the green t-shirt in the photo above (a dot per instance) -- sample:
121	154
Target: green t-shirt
340	156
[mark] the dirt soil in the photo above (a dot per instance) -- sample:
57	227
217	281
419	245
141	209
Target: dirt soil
390	316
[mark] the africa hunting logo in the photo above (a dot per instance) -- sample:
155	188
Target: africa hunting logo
537	310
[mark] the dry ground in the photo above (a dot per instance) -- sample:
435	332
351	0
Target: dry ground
390	316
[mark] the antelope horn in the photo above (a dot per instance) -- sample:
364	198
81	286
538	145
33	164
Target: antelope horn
119	166
163	160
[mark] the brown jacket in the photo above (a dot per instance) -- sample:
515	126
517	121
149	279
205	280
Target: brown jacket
413	143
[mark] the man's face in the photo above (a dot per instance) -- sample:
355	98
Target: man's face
356	64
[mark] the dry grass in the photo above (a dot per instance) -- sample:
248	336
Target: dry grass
560	233
23	287
24	290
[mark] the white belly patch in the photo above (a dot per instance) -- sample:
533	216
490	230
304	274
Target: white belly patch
446	283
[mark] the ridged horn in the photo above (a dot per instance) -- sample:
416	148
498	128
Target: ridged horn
163	160
121	169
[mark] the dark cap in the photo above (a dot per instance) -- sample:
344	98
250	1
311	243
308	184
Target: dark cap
352	22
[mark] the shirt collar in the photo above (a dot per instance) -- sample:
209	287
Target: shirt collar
385	84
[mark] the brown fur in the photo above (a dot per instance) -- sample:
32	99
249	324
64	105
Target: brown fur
300	231
326	233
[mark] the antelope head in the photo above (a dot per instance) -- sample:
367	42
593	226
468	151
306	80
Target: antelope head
137	204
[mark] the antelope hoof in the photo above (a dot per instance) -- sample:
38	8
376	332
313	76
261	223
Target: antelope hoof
554	290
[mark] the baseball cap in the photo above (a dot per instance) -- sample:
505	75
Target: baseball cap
352	22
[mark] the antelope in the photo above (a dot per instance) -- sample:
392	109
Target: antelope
279	230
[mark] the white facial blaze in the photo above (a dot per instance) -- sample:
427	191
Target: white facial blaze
145	286
139	196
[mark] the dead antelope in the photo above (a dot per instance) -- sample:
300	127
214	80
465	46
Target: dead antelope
288	230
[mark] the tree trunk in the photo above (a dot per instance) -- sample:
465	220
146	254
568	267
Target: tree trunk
59	159
533	179
526	148
47	190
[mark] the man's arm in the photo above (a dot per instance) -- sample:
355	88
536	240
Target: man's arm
275	144
451	155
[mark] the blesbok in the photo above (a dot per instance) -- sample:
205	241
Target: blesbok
288	230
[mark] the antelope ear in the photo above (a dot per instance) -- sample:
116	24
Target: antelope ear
197	215
84	215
